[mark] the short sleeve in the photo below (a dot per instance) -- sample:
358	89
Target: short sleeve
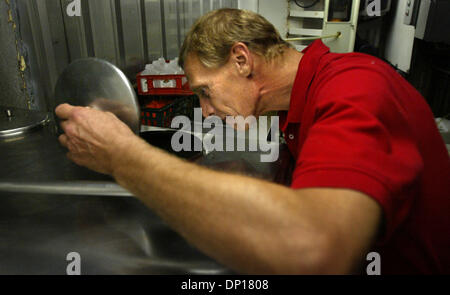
360	140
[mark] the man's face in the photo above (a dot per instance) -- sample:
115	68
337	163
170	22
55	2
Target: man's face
226	91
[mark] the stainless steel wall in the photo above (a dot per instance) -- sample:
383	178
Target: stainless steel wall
16	85
128	33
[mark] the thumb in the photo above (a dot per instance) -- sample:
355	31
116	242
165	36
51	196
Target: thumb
63	111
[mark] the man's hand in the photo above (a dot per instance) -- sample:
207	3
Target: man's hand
94	138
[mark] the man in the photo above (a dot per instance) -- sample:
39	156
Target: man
371	168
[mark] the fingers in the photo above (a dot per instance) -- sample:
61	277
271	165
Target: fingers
63	125
70	129
70	126
63	140
64	111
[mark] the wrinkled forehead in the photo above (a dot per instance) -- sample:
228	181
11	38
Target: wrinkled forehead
197	73
192	66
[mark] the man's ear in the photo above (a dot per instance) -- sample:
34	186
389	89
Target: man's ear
242	59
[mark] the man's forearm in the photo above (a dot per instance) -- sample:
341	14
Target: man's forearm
248	224
243	222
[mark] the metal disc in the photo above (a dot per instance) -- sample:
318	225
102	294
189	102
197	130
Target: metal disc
15	121
99	84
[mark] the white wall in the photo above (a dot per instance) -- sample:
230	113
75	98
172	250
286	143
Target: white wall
400	40
248	5
276	12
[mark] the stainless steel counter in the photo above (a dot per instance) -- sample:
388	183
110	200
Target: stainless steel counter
114	234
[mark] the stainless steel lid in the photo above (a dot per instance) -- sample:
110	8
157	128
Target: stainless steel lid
99	84
14	121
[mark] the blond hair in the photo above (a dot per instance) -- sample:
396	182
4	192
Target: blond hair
213	35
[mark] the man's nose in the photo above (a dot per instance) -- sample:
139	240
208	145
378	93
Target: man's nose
207	108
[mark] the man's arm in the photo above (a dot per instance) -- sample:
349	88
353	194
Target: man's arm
250	225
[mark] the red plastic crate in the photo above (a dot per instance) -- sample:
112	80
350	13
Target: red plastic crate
145	84
152	115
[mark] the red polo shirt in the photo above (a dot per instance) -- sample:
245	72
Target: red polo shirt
354	123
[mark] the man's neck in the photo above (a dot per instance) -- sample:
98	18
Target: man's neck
276	80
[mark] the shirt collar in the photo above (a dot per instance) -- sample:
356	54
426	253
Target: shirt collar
305	74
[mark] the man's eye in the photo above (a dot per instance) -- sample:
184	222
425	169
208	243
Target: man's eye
204	94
